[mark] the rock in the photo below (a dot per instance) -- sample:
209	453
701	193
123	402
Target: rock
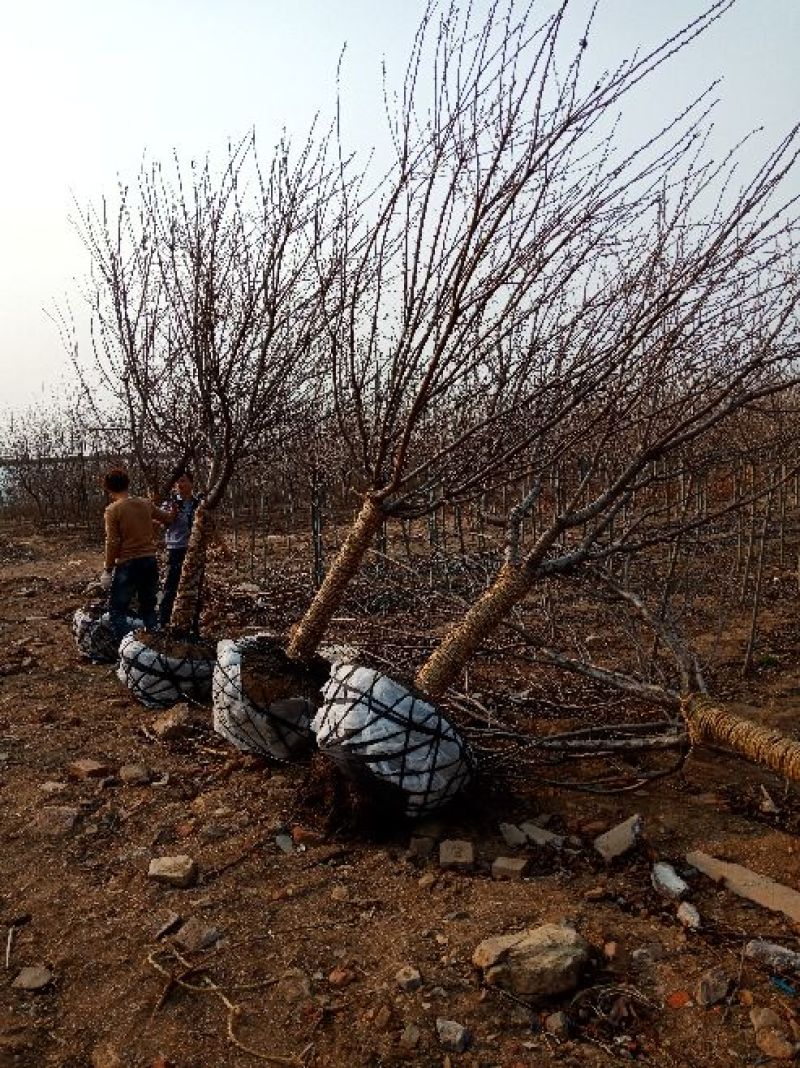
58	821
771	1036
513	868
383	1018
688	916
293	986
341	977
653	951
408	978
620	839
454	853
175	871
512	835
420	848
452	1036
285	843
748	884
54	787
173	724
194	935
427	881
557	1023
773	955
168	925
537	962
33	979
667	882
305	836
135	774
540	837
712	987
410	1037
85	768
340	893
595	893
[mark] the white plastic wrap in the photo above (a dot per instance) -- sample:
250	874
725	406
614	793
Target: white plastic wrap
281	731
158	680
94	635
370	723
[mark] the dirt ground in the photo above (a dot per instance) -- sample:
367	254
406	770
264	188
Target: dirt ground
308	943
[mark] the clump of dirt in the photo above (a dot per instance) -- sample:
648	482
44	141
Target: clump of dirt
166	644
268	674
339	804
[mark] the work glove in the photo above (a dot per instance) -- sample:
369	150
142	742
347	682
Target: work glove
106	578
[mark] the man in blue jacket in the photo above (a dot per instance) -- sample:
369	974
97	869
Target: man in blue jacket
185	504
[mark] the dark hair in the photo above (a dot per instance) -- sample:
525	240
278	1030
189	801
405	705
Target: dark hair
117	480
186	474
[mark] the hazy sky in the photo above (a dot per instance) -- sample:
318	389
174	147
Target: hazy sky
90	86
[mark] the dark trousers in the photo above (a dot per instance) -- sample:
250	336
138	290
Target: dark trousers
175	558
134	577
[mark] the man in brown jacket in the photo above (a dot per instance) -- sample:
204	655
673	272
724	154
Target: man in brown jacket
130	563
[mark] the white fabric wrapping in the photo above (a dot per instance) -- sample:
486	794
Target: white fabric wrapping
95	638
370	723
280	732
157	680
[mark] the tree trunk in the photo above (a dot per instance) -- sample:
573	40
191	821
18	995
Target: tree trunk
708	722
307	634
190	588
446	662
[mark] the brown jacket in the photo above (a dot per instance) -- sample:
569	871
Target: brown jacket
129	529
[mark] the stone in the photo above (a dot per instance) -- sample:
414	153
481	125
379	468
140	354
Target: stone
173	724
688	916
541	837
453	1036
33	979
748	884
771	1036
341	977
285	843
454	853
135	774
178	871
653	951
54	787
667	882
557	1023
169	924
293	986
410	1037
85	768
383	1018
512	835
620	839
194	935
773	955
57	821
712	987
420	848
595	893
340	893
305	836
536	962
427	881
408	978
513	868
105	1056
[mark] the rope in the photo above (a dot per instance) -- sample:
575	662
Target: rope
708	722
158	679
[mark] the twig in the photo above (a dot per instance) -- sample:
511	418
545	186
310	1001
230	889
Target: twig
9	942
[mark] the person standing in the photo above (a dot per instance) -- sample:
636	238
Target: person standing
184	505
131	567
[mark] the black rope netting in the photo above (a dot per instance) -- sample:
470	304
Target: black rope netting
371	725
279	729
94	636
159	679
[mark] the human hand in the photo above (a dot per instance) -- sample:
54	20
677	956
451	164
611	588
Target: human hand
106	578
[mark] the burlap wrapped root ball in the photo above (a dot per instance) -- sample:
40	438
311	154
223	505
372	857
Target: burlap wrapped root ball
94	635
386	735
263	702
159	670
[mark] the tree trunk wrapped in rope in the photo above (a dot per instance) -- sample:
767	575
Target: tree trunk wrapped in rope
94	636
159	672
391	738
186	609
264	701
307	634
708	722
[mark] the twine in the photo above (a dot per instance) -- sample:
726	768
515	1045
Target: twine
158	680
446	663
708	722
306	635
